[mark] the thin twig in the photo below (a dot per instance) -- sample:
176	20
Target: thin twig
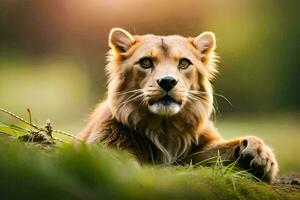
55	138
20	118
29	113
67	134
36	126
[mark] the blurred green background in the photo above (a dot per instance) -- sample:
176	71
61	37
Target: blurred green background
52	58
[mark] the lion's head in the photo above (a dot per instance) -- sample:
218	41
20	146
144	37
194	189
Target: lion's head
153	78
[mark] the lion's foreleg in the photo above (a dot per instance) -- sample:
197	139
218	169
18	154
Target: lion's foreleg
249	153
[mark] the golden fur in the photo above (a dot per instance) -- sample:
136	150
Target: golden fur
133	116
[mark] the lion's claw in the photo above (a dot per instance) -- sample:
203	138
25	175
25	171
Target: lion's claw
256	157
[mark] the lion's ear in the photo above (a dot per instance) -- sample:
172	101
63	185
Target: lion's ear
120	40
205	42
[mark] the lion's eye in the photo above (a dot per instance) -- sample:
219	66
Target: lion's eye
146	63
184	63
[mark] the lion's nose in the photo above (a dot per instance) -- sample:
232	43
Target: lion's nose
167	82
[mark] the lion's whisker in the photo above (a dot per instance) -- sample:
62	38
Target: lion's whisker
215	94
201	99
131	99
128	91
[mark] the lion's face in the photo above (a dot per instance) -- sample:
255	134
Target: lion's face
161	76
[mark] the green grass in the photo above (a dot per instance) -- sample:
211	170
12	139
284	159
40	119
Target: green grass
91	172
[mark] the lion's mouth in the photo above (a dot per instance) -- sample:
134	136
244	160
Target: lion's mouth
165	106
166	101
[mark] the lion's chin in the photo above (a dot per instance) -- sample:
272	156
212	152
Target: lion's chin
165	106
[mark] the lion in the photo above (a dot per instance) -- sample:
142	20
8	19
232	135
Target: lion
160	101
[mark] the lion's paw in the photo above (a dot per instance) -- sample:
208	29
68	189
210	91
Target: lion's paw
256	157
